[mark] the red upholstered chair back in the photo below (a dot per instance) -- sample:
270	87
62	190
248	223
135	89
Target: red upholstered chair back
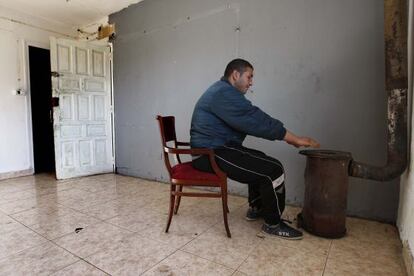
167	127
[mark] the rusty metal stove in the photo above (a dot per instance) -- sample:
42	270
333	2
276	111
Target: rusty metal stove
326	181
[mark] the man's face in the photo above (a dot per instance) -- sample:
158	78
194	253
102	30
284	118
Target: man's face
243	81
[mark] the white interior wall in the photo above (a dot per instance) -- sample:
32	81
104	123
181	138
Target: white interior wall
17	31
406	205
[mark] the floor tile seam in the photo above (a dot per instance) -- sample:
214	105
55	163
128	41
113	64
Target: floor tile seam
214	216
60	236
44	236
200	234
62	268
63	206
83	212
302	251
26	226
4	202
24	210
22	199
158	211
122	227
152	239
73	253
77	256
118	195
121	196
157	240
61	216
20	251
94	205
100	269
116	198
327	258
129	214
92	191
16	221
34	196
370	257
377	244
92	225
71	200
145	271
140	233
28	209
234	272
211	261
248	255
69	207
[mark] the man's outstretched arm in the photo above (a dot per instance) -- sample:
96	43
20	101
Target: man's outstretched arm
298	141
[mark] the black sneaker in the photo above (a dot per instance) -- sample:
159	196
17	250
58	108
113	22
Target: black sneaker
253	213
282	230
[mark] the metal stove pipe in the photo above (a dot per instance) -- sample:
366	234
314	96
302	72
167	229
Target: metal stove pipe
396	83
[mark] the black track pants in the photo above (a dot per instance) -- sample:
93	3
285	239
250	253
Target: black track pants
263	174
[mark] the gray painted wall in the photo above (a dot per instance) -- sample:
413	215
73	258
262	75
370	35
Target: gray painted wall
319	68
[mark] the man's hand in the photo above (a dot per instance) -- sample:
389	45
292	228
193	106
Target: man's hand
306	142
298	141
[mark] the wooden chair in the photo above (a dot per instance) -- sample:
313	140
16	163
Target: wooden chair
183	174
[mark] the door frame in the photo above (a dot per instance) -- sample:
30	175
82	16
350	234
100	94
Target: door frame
25	73
111	70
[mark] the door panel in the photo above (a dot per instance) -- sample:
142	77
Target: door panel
82	121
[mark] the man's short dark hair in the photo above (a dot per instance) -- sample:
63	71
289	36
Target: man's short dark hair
237	64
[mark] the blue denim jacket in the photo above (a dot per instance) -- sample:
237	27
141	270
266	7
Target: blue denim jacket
223	116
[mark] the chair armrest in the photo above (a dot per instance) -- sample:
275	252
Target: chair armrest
182	143
188	151
199	151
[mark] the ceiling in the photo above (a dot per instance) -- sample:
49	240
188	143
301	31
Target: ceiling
69	13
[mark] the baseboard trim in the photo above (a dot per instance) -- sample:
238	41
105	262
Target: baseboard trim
14	174
408	259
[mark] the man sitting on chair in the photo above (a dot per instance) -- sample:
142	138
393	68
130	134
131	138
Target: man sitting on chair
221	120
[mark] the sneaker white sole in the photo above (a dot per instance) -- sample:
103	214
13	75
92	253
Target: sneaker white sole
263	235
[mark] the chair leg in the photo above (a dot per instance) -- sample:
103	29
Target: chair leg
177	203
225	210
171	210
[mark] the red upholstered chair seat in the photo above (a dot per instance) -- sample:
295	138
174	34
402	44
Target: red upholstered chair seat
186	171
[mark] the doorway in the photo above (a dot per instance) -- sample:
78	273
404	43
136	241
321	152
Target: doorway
41	99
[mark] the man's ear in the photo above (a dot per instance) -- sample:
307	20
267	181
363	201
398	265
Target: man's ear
235	75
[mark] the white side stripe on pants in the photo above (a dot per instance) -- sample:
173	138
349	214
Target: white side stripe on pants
277	200
252	155
278	181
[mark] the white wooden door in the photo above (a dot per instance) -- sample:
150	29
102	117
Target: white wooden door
82	119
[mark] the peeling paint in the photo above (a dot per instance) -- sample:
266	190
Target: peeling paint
395	35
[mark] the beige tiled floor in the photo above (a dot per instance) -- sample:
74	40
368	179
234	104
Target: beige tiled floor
122	221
